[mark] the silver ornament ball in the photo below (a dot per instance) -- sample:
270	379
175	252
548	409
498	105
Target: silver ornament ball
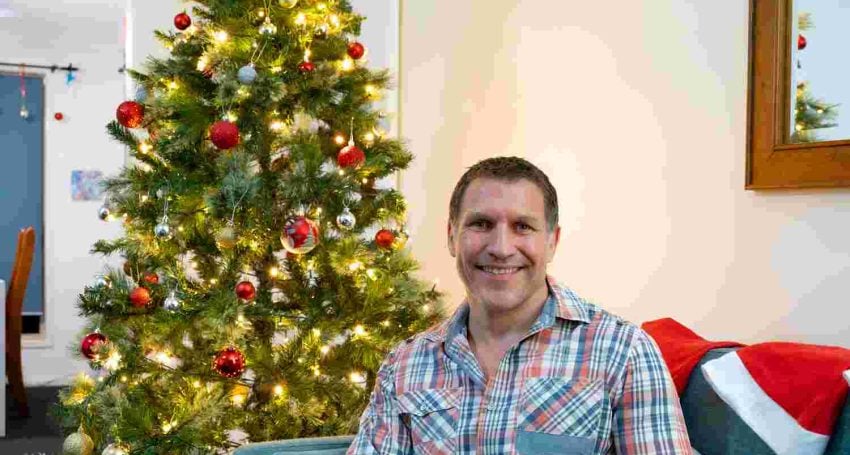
102	282
162	230
103	213
172	303
268	28
25	113
346	220
247	74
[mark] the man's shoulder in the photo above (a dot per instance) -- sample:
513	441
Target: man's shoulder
425	339
602	321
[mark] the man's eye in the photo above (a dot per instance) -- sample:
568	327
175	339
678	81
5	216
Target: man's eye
522	227
480	223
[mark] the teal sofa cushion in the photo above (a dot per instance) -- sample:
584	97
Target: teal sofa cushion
334	445
715	429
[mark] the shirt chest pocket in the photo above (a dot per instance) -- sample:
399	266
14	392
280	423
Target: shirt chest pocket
559	416
433	416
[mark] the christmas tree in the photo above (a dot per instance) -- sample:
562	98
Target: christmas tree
810	113
264	271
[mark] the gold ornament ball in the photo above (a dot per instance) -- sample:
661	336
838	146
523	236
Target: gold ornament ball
288	3
78	444
226	237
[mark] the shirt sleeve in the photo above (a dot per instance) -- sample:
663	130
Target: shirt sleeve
382	431
647	416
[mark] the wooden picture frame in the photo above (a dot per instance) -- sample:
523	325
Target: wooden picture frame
773	162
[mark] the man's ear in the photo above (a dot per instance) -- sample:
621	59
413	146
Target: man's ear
450	238
552	243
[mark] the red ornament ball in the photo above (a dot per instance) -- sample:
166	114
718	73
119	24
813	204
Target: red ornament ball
130	114
356	50
92	344
59	116
140	297
224	134
182	21
801	42
151	278
229	362
385	238
300	235
306	67
245	290
350	156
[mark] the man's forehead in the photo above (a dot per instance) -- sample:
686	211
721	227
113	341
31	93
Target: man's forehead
487	196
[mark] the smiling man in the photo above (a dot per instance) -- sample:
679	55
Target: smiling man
524	366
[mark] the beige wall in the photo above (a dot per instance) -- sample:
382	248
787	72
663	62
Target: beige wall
88	34
637	111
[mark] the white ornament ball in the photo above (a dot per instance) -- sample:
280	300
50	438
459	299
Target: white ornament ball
113	449
247	74
300	235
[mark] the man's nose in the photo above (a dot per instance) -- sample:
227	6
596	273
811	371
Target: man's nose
501	243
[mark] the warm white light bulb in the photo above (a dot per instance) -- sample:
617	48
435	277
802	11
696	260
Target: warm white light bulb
221	36
347	64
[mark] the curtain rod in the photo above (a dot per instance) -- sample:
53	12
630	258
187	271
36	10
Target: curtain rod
52	68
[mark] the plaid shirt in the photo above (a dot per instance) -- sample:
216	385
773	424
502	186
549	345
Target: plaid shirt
582	381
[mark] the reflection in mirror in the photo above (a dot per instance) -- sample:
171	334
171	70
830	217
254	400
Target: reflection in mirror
819	74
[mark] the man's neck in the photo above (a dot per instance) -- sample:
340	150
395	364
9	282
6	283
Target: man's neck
506	327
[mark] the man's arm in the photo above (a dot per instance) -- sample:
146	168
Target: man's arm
648	417
381	429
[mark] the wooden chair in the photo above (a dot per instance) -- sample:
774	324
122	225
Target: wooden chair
14	317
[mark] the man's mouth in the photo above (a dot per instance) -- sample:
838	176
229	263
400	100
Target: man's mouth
493	270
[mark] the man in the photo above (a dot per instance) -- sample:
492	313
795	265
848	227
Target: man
524	366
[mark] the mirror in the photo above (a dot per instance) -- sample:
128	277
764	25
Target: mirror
820	100
798	105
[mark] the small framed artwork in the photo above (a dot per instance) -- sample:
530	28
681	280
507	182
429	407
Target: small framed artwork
86	185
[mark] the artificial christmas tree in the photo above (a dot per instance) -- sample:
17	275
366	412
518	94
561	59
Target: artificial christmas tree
256	301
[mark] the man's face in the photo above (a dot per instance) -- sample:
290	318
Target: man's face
501	243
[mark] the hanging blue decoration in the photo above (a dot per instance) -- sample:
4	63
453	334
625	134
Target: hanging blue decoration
247	74
69	78
141	94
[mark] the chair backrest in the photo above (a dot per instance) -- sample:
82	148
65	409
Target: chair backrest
20	275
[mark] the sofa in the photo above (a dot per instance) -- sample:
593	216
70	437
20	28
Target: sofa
714	428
